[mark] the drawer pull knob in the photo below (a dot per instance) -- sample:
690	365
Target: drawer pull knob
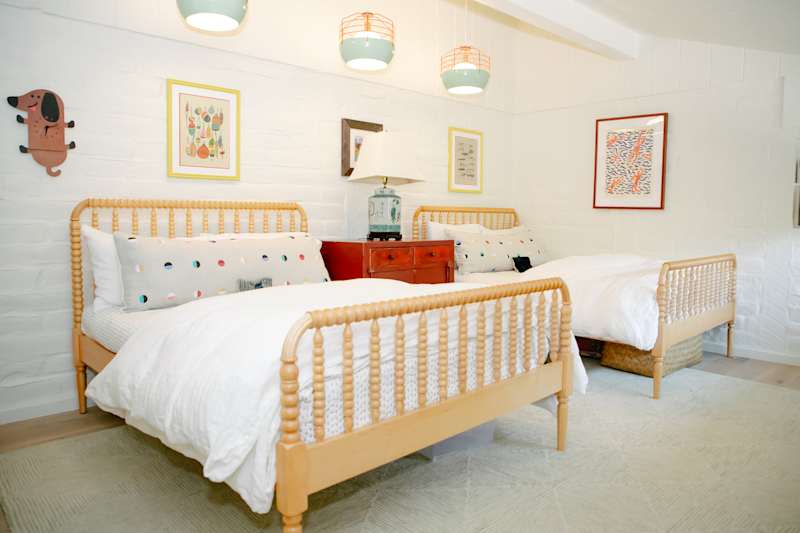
390	257
432	254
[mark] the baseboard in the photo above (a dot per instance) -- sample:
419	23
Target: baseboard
772	357
26	412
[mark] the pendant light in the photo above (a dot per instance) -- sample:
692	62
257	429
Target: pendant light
465	69
213	15
366	41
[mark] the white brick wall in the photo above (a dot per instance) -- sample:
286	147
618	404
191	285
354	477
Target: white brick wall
113	84
733	138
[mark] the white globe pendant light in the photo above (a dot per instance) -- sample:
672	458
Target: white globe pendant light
213	15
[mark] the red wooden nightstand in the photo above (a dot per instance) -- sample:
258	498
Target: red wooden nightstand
410	261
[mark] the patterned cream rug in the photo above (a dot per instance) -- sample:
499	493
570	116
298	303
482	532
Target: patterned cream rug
715	454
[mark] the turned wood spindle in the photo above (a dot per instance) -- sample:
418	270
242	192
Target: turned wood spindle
512	337
422	360
347	378
375	372
399	366
462	349
497	341
480	346
443	355
318	353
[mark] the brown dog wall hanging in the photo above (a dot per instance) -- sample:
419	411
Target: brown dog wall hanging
45	127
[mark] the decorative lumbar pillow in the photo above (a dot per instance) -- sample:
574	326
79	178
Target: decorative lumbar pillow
521	264
437	231
105	268
159	272
477	252
248	285
493	251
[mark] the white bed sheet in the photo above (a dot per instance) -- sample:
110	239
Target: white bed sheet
613	295
204	377
112	326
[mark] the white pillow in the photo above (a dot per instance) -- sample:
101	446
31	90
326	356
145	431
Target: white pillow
493	252
105	267
438	231
158	272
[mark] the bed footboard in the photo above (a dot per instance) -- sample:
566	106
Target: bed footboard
511	369
693	296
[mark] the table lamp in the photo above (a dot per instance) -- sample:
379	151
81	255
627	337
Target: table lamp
387	159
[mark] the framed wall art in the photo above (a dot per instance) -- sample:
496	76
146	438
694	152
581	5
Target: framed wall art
353	134
630	156
465	160
203	131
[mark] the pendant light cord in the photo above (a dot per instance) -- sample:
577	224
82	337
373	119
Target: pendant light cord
466	19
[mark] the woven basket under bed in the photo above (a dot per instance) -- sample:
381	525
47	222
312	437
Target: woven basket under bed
629	359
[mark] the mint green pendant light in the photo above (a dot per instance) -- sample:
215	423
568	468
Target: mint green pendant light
465	69
366	41
213	15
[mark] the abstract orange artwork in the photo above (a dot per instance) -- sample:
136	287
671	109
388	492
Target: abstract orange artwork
630	162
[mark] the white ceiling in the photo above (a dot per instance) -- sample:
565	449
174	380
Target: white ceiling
760	24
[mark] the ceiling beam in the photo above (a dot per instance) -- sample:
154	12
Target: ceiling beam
574	22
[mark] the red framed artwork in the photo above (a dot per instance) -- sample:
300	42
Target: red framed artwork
630	162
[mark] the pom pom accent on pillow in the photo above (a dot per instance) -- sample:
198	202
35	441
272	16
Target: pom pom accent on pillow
521	264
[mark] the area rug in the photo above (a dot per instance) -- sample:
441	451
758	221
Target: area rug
714	454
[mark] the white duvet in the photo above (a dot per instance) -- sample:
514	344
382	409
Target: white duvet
613	296
204	377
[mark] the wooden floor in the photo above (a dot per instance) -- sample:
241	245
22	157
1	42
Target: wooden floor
70	424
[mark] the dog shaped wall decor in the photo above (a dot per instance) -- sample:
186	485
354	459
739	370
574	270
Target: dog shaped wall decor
45	127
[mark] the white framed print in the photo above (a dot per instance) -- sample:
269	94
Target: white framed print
630	155
203	127
465	160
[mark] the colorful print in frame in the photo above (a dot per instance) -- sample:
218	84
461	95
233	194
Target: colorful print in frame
203	125
464	160
630	162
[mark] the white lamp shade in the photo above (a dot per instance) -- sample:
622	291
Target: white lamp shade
386	156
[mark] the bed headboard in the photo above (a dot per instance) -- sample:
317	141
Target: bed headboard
164	216
491	217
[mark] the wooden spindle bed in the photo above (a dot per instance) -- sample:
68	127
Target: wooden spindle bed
693	295
538	363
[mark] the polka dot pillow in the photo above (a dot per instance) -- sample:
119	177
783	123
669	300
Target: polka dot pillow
158	272
491	252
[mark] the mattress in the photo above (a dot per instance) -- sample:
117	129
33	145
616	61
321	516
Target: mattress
112	327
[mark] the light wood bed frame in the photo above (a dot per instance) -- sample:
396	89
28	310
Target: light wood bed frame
306	467
693	295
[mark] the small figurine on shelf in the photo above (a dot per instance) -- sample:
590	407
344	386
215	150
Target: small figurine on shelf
45	127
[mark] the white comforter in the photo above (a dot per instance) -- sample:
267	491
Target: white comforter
204	378
613	296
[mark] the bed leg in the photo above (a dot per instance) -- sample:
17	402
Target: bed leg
561	415
80	383
729	347
658	372
293	524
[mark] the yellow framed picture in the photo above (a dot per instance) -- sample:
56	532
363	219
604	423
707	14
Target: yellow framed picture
465	160
203	126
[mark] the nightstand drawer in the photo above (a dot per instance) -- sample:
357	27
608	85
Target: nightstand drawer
428	255
386	259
